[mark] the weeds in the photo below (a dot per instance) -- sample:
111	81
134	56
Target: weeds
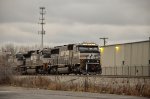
84	84
5	71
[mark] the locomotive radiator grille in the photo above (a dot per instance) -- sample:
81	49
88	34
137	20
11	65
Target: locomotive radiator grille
91	63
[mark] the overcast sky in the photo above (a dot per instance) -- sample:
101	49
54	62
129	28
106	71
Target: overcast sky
74	21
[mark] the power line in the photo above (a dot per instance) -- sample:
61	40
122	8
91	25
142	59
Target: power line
104	39
42	32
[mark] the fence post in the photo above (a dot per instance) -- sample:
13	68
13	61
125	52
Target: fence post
128	71
105	70
86	84
135	71
116	70
142	70
122	69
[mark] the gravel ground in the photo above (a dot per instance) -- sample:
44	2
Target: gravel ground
9	92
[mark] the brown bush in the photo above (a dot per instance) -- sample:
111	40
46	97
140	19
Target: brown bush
5	71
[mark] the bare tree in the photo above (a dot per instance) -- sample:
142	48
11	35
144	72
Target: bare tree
5	68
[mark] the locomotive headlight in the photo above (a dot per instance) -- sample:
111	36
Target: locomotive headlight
97	56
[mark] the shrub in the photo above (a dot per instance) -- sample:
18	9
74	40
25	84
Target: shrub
5	71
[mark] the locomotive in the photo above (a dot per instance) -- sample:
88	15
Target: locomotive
82	58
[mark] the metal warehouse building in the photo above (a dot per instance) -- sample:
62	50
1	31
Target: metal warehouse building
126	59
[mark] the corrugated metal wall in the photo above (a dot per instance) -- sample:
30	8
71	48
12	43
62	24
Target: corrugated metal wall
126	59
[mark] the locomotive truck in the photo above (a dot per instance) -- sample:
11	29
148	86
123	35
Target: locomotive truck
82	58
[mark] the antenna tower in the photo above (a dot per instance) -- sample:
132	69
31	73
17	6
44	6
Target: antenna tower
42	32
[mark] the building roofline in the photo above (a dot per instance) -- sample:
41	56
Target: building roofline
126	43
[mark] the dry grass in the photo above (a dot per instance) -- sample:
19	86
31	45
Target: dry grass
87	86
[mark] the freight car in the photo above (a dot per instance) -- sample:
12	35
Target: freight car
83	58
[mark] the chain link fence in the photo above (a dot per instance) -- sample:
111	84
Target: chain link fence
127	70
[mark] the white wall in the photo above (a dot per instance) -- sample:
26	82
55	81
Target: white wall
135	57
107	57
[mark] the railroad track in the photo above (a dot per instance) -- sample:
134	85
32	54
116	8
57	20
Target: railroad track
103	76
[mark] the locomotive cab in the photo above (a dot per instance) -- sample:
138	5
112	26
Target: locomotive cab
89	57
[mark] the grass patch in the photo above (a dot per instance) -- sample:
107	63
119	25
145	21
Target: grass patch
43	82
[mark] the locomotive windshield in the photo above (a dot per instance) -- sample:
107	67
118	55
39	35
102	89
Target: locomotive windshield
88	48
47	55
19	56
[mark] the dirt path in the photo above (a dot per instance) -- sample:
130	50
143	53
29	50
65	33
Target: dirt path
9	92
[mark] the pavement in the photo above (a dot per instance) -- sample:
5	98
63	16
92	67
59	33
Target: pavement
9	92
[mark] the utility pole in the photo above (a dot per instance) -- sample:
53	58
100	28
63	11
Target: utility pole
42	32
104	39
149	56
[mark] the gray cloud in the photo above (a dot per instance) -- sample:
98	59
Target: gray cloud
119	12
71	21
